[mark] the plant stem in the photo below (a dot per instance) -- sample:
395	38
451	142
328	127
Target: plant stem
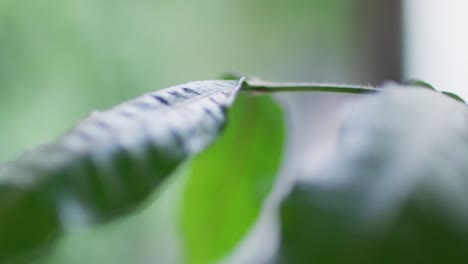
272	87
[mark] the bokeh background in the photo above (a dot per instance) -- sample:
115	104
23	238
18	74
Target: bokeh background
61	59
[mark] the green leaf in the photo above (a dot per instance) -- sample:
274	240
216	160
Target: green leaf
396	191
454	96
147	236
107	164
230	180
419	83
424	84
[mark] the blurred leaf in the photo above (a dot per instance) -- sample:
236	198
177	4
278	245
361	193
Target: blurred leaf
107	164
396	191
230	180
424	84
146	237
419	83
454	96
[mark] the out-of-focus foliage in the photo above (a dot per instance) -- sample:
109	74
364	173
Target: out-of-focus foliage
149	236
229	182
396	190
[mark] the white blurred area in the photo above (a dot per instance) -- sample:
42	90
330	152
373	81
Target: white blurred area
435	34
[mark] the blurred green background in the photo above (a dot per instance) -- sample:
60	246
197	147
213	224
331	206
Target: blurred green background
59	60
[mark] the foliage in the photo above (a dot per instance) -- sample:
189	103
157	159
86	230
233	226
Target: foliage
108	163
221	203
394	190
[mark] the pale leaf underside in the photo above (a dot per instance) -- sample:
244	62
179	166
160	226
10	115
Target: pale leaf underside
108	163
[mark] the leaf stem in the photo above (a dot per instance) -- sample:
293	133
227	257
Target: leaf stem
273	87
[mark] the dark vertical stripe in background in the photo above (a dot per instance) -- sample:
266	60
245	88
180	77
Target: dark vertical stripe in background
381	23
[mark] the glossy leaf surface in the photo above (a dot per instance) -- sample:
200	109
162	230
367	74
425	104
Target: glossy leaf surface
230	180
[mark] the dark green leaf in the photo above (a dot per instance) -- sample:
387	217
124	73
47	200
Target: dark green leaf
396	191
144	237
419	83
454	96
424	84
230	180
107	164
